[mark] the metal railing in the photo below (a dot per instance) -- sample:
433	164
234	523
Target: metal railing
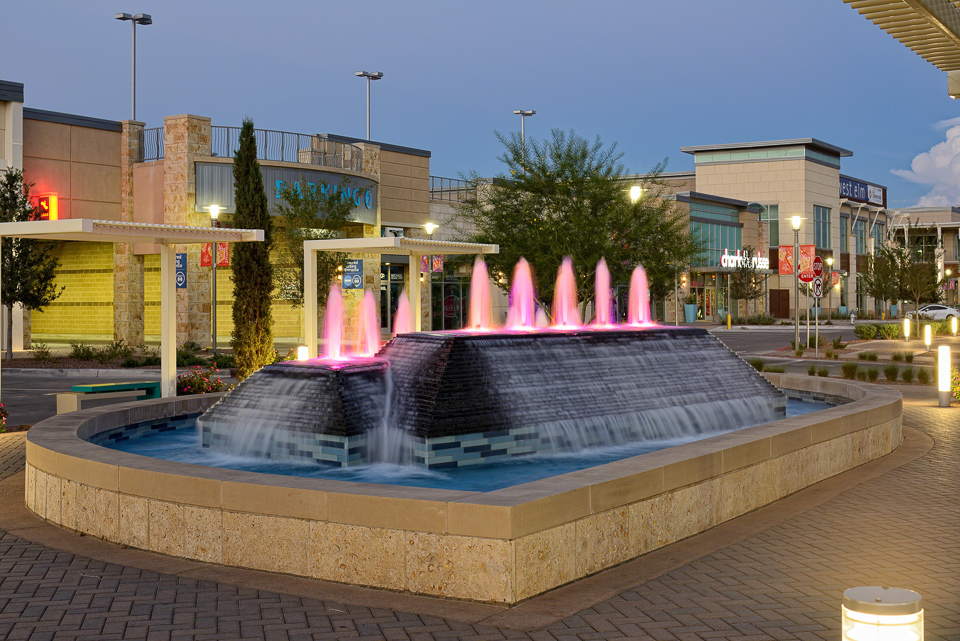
150	144
451	189
281	146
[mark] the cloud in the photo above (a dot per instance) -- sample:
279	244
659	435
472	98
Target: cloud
939	168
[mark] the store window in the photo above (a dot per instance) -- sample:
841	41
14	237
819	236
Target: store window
878	234
860	235
844	226
821	227
771	215
449	299
392	280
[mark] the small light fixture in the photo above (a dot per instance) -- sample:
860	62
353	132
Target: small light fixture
953	326
928	336
906	329
943	374
214	212
877	613
431	227
636	193
303	353
795	221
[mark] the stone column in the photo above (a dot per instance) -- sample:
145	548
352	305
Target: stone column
128	267
185	138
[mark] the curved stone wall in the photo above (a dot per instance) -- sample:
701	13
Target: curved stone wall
502	546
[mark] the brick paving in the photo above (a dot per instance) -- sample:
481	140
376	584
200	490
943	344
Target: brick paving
783	582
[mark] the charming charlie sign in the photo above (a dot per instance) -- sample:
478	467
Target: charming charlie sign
741	259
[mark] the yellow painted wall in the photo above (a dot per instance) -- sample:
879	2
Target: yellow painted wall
85	309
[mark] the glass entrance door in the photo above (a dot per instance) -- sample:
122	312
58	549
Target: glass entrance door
392	280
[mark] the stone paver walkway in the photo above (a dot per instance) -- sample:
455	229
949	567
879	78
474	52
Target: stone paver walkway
901	527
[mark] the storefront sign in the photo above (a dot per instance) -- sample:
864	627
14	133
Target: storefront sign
786	260
223	255
861	191
181	271
353	273
739	259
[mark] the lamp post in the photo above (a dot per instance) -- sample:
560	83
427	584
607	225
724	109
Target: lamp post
795	222
214	222
369	75
144	19
523	137
830	294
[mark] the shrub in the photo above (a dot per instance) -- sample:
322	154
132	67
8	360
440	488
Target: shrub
908	356
954	383
861	375
836	356
850	370
907	375
761	319
130	361
868	356
81	351
865	332
192	347
813	342
812	370
798	352
149	356
872	374
891	371
897	357
774	369
838	343
200	381
186	358
829	353
757	364
223	361
114	351
3	418
823	371
891	331
923	376
41	352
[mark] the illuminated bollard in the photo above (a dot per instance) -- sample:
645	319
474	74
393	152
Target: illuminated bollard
882	614
928	336
953	326
906	329
303	353
943	374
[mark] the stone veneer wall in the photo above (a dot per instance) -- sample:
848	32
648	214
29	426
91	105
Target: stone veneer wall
502	546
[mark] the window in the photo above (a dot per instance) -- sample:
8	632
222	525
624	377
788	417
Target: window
771	215
878	235
715	238
844	222
821	227
860	234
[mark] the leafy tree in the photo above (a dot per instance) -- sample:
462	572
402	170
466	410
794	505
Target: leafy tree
28	265
566	196
746	281
252	271
920	282
309	214
882	276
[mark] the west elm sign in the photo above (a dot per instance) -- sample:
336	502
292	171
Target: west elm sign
741	259
215	187
860	191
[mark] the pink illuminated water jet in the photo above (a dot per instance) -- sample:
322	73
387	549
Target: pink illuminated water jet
333	324
403	323
565	311
602	316
479	297
368	339
638	312
521	311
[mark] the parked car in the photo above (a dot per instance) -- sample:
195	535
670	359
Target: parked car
935	312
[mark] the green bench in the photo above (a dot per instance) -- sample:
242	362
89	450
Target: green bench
73	400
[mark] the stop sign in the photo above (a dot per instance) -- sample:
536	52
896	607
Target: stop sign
817	266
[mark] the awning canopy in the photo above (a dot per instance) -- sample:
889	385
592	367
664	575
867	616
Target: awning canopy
109	231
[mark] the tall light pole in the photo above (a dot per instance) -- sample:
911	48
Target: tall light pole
795	221
214	222
144	19
523	137
830	295
369	75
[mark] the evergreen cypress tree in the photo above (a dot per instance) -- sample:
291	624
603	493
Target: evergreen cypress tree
252	271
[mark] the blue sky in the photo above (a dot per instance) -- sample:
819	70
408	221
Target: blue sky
650	76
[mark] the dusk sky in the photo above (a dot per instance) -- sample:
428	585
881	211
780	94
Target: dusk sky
650	76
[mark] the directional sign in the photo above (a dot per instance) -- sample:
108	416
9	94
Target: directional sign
353	273
181	271
818	287
818	266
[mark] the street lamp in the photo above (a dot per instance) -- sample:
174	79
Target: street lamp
795	222
523	138
144	19
369	75
214	222
830	294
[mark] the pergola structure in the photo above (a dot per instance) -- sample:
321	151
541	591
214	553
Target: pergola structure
931	28
412	247
108	231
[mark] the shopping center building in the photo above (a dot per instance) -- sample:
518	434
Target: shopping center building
737	196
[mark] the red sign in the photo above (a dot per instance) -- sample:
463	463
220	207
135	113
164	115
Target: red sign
223	255
817	266
834	278
47	207
786	260
807	254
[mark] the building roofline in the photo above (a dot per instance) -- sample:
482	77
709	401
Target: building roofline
71	119
687	196
806	142
861	180
11	91
383	145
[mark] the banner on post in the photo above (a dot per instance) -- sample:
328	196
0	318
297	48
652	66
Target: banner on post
807	253
786	260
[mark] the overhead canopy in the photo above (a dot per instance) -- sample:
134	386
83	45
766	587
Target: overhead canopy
108	231
393	245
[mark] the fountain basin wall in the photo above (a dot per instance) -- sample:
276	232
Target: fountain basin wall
502	546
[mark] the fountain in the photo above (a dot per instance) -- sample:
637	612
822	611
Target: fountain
479	318
602	296
461	398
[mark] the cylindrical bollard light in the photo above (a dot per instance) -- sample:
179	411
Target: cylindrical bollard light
906	329
303	353
877	613
943	374
953	325
928	336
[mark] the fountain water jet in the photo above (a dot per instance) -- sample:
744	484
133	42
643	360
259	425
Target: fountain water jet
638	312
333	324
368	339
479	297
403	323
565	312
602	304
522	299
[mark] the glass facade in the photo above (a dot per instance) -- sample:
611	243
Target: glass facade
844	226
878	235
450	298
821	227
724	234
860	234
771	215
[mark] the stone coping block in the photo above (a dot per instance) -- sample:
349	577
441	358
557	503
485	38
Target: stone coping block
435	541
